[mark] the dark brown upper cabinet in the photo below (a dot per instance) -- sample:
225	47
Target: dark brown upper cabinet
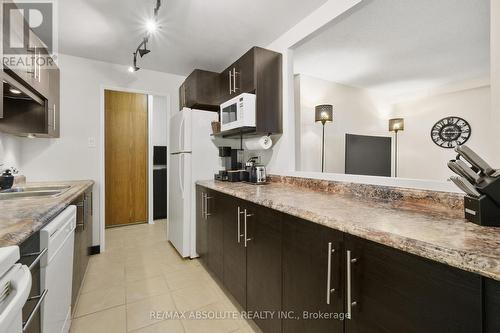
199	91
258	71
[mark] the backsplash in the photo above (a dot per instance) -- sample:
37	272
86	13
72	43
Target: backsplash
446	203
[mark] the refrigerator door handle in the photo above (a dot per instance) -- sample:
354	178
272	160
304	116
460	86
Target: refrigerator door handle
181	134
181	174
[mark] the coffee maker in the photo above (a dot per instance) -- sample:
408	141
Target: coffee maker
231	164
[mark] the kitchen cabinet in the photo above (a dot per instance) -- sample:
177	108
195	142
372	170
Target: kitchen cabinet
215	212
391	291
201	226
262	230
491	305
297	266
235	255
312	276
53	130
199	91
258	71
83	242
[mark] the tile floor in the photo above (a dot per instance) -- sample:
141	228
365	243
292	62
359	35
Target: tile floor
139	273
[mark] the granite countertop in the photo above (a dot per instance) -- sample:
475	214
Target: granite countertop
429	234
20	218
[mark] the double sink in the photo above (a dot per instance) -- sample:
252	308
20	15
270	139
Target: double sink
28	192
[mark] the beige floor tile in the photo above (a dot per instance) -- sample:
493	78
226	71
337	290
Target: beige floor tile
100	299
141	272
193	298
191	276
139	314
102	280
146	288
221	309
167	326
108	321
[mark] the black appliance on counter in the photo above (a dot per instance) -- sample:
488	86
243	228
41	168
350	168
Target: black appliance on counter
232	162
159	182
481	183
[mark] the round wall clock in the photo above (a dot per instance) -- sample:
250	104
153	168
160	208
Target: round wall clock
450	132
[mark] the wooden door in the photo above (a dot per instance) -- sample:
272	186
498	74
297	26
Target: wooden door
201	226
215	216
264	272
235	261
126	145
398	292
306	260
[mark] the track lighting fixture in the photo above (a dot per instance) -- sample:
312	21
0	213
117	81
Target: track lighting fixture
142	49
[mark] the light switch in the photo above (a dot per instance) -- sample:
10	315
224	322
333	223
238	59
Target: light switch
91	142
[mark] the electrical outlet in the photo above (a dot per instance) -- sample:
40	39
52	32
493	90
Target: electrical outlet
91	142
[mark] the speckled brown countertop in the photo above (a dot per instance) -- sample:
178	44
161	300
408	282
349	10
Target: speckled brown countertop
430	234
20	218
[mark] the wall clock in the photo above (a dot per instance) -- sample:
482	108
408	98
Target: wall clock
450	132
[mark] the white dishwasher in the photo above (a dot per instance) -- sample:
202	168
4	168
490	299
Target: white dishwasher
57	271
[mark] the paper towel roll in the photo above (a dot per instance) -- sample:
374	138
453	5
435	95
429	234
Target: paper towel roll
259	143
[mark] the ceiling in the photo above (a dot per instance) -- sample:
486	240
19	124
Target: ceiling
401	47
206	34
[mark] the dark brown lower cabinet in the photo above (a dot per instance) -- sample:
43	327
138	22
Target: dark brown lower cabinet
214	212
264	277
201	226
83	242
491	306
235	255
270	261
313	286
392	291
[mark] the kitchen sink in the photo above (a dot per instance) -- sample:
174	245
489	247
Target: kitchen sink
28	194
33	191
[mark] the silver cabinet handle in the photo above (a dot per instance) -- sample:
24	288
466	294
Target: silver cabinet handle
246	239
207	214
38	255
203	204
40	299
239	224
234	79
230	85
54	115
329	289
350	302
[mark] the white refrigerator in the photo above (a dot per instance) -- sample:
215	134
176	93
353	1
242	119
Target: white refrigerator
193	156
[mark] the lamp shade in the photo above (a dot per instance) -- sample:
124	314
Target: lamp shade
324	113
396	124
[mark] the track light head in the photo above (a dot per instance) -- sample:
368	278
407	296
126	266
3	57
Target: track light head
134	68
143	51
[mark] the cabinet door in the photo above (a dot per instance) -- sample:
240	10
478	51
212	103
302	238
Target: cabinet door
215	206
182	96
201	226
312	276
244	80
392	292
225	85
264	274
53	102
235	261
492	305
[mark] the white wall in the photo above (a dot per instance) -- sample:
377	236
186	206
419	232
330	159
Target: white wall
70	157
10	151
159	121
354	112
419	157
495	80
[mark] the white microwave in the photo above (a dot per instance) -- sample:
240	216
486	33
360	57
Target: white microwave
238	112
